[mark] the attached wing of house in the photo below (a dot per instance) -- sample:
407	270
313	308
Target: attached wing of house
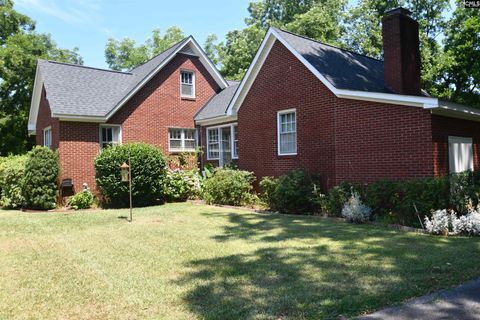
79	93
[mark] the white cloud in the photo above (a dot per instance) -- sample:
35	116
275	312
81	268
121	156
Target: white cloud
70	11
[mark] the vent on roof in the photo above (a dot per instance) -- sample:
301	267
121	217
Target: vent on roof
188	50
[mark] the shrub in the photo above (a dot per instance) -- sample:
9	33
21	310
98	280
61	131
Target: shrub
337	197
440	222
229	187
464	191
82	200
12	170
468	224
355	211
42	170
148	174
181	185
291	193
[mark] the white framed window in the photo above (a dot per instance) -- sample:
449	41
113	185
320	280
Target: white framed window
229	144
235	142
460	154
110	135
287	132
213	144
181	140
187	84
47	137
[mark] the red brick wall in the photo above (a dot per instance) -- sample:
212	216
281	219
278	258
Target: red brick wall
442	127
285	83
158	106
340	139
45	120
79	145
375	141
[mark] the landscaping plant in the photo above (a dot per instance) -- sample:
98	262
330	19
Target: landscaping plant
181	185
148	175
229	187
42	170
12	170
355	210
82	200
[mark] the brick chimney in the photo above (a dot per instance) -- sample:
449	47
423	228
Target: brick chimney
401	52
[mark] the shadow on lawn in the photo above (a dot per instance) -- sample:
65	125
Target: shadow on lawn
361	269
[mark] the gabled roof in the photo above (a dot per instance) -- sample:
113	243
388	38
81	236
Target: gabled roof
91	94
218	104
342	68
348	75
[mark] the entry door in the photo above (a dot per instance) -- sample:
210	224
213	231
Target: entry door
226	146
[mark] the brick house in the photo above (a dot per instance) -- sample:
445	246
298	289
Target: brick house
301	105
306	105
78	110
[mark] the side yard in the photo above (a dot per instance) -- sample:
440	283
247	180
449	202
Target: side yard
184	261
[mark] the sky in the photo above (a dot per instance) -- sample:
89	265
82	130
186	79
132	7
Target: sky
87	24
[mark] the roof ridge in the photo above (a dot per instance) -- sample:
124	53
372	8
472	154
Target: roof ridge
173	45
85	67
327	44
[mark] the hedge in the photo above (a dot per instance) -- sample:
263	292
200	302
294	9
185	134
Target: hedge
12	171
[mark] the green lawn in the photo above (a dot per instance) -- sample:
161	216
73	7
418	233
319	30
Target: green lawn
186	261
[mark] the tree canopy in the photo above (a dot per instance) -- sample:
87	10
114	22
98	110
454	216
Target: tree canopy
20	47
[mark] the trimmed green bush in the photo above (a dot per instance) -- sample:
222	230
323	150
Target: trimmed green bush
42	170
82	200
464	191
337	198
12	170
291	193
229	187
148	175
181	185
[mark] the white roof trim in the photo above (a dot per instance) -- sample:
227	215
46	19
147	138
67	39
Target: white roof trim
260	57
35	103
455	110
203	58
216	120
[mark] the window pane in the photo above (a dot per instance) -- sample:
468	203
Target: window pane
287	133
187	90
190	134
189	144
176	144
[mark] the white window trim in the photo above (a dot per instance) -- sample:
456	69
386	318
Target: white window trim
279	113
193	96
458	139
110	126
45	130
182	148
220	148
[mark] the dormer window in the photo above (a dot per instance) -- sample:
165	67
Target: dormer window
187	84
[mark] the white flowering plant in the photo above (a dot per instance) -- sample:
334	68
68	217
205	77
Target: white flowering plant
355	210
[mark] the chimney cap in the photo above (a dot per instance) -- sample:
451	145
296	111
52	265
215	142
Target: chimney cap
398	10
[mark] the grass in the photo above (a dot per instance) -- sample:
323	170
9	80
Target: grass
186	261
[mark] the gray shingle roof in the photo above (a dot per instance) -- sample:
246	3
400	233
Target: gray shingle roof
343	69
218	104
77	90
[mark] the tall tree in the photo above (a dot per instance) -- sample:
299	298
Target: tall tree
126	54
459	72
20	47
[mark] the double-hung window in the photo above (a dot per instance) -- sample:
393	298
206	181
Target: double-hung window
287	132
187	84
181	140
47	137
110	135
460	154
213	145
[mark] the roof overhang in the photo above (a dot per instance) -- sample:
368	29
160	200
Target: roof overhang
272	36
455	110
215	120
35	103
